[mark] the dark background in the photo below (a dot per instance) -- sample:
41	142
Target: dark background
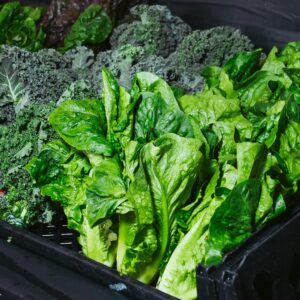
266	22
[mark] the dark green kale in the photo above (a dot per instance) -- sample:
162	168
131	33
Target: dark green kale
78	90
7	114
167	69
22	204
157	31
210	47
127	60
45	74
38	77
182	67
199	49
119	61
82	59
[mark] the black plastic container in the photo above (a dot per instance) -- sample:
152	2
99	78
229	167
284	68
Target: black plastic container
48	270
42	260
265	267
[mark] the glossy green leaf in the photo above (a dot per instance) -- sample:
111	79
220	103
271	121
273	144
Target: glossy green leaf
82	125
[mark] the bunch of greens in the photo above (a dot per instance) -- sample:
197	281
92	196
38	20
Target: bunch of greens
156	183
82	23
18	26
21	203
29	82
249	115
40	77
100	165
137	47
153	180
92	27
156	24
62	15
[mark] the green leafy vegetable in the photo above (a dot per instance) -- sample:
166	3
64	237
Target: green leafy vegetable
233	220
157	181
169	168
22	139
63	174
105	192
72	118
92	27
18	26
14	90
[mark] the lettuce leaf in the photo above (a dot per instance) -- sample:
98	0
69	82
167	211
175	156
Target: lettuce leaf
72	118
93	26
168	168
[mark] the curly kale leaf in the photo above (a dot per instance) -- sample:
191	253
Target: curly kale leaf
119	62
157	31
14	90
19	141
82	58
210	47
78	90
44	74
128	60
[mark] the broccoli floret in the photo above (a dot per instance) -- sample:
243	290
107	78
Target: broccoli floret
209	47
19	142
158	32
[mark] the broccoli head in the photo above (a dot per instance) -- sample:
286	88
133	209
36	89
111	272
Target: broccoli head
157	31
21	203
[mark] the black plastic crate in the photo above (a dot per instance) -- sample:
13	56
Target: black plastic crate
25	274
264	267
33	256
